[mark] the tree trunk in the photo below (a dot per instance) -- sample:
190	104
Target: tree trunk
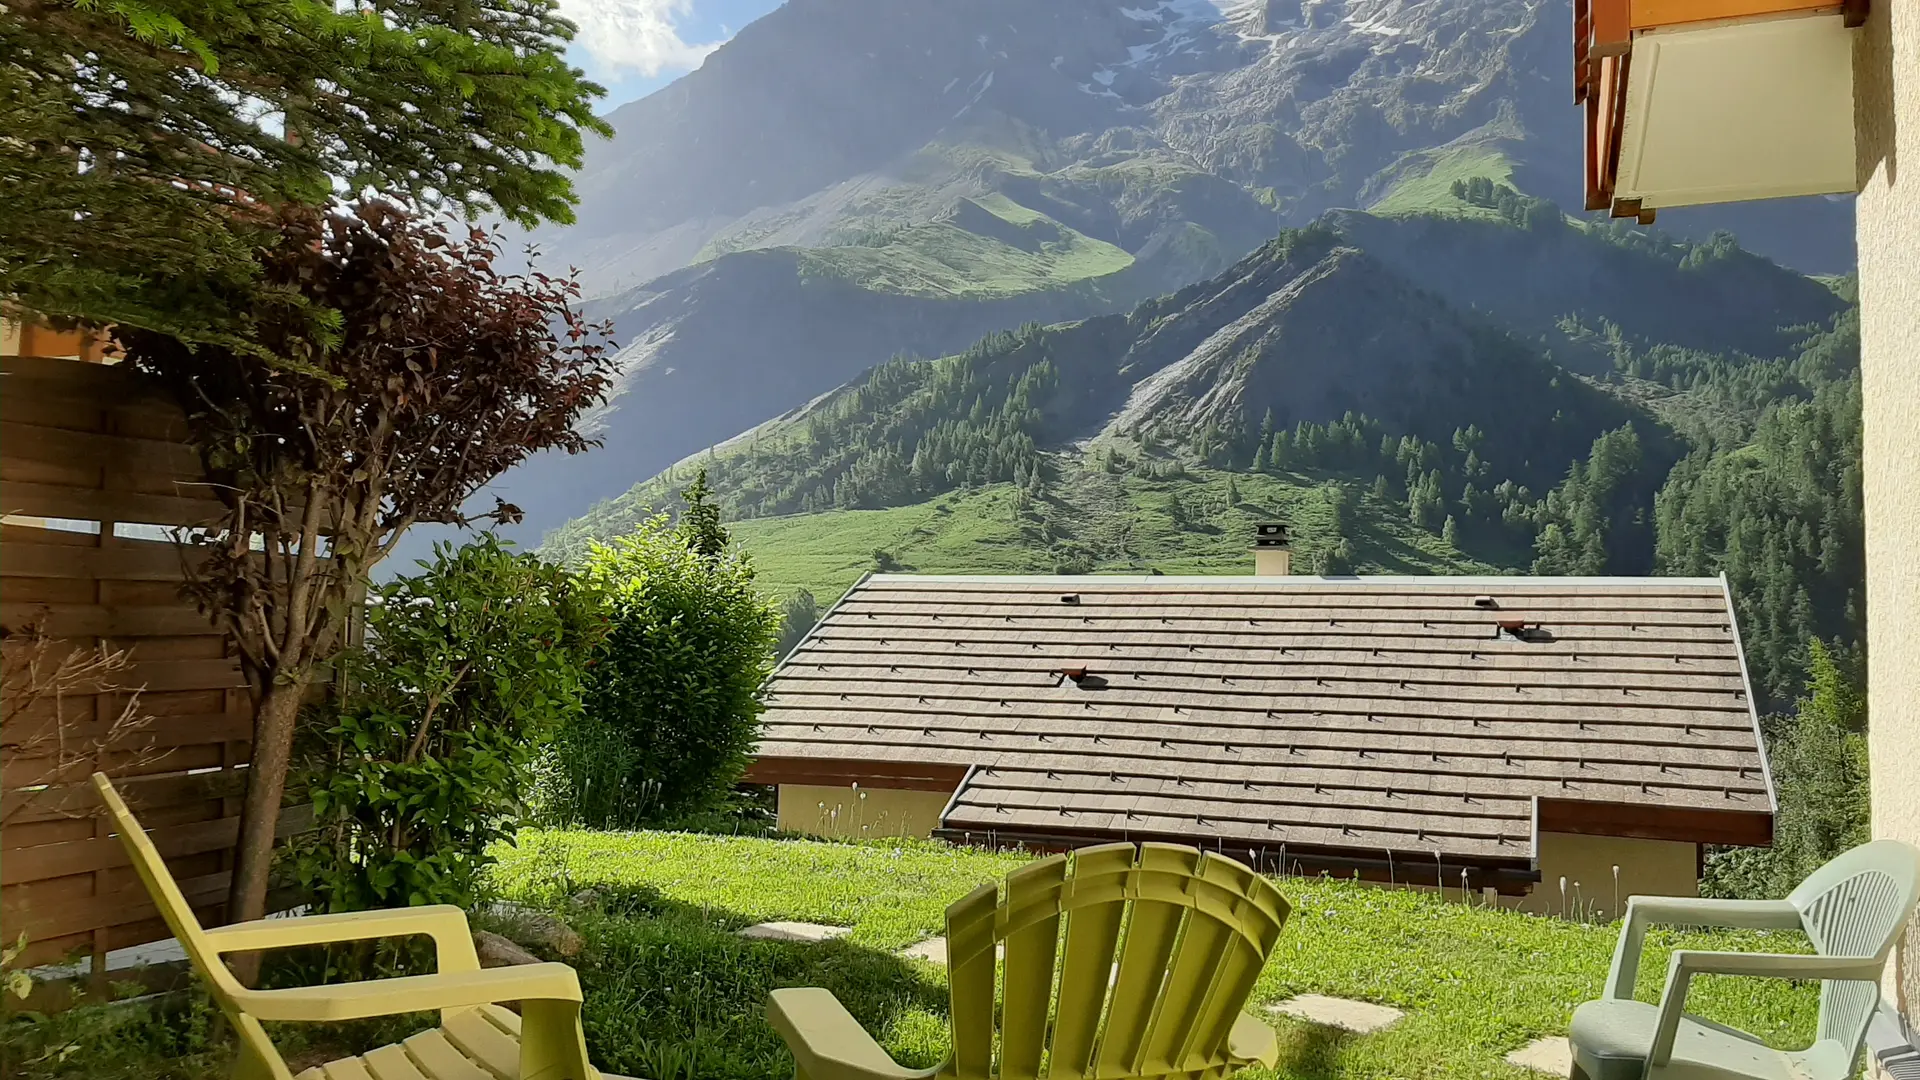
260	814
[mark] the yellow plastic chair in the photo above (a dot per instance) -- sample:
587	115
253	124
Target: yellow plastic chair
476	1039
1191	931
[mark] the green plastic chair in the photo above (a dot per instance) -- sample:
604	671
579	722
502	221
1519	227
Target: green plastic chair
1191	931
1853	910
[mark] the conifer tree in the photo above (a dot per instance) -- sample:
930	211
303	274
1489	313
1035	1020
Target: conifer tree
150	144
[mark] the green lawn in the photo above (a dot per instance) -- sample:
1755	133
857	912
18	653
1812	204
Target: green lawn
673	993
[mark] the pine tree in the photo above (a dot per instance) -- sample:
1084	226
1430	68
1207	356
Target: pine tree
1381	489
1177	510
447	105
1819	759
1260	458
1338	557
1450	532
1233	492
1339	507
700	522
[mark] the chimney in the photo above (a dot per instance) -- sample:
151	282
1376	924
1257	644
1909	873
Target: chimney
1272	550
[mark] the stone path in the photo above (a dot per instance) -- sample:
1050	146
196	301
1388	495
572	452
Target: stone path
1551	1055
795	931
1359	1017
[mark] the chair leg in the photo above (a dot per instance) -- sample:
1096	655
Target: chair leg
551	1047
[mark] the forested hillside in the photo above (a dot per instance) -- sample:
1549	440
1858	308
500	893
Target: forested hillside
1401	429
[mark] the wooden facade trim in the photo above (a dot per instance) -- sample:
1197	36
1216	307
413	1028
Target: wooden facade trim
1689	825
1650	14
844	772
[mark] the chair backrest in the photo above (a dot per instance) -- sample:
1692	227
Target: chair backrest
1857	905
1142	957
259	1054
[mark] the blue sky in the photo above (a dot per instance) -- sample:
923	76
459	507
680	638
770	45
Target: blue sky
634	47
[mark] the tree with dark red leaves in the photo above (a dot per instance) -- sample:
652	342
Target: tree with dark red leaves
433	375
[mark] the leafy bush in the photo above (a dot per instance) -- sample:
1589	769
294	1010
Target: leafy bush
1819	760
469	668
673	705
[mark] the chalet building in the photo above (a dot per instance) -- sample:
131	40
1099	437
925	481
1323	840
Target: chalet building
1482	734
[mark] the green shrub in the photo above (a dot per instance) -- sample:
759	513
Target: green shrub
674	701
1819	761
469	668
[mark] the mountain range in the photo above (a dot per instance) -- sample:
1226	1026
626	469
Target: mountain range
847	181
1414	328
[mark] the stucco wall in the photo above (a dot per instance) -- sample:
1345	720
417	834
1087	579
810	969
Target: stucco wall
862	812
1647	867
1887	114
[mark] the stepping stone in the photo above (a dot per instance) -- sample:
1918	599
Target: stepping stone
1551	1055
1359	1017
794	931
933	950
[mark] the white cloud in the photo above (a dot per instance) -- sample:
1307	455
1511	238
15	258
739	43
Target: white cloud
636	35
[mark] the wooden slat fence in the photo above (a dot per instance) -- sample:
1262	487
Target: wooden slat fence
88	443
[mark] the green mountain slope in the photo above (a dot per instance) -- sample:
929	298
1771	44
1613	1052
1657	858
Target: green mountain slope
1401	427
1110	524
990	246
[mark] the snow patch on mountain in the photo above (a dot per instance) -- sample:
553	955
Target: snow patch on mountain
980	85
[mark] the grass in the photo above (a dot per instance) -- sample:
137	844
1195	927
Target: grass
944	260
1122	522
674	993
826	553
1426	183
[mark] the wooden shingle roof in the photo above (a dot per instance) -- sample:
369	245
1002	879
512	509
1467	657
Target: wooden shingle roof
1377	715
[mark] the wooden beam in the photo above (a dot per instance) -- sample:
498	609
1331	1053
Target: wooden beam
1612	32
46	861
191	507
1651	14
1751	828
844	772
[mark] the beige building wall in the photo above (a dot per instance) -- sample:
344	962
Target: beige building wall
1887	121
844	812
1647	868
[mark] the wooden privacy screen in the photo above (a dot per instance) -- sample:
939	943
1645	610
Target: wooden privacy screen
88	442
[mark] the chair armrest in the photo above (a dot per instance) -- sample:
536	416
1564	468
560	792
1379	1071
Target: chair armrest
1705	911
413	993
444	923
1686	963
1252	1040
1644	911
827	1042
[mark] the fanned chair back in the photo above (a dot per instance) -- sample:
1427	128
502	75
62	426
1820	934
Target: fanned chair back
1855	906
258	1057
1141	958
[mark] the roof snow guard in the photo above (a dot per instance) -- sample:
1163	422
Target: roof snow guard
1705	101
1326	722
